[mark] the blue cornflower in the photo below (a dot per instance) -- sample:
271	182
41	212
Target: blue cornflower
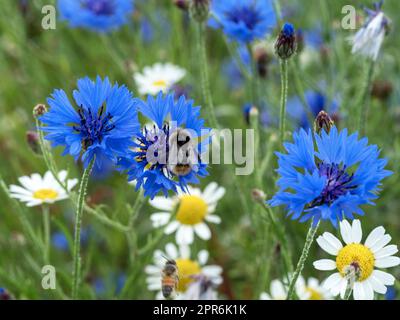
102	126
317	101
244	20
96	15
330	181
231	70
157	163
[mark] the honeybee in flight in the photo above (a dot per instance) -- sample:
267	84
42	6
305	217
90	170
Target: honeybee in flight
183	154
169	279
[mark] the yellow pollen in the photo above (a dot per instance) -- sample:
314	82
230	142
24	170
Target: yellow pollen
186	269
359	254
314	294
45	194
160	83
191	210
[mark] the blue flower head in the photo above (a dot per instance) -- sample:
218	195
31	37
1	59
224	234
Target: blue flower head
317	101
168	152
331	180
244	20
102	125
96	15
288	30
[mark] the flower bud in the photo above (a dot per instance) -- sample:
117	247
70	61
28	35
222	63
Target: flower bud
39	110
382	89
5	295
258	195
286	44
32	139
199	10
323	122
182	4
262	59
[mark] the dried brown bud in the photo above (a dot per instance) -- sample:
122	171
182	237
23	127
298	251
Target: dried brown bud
258	195
382	89
323	122
39	110
32	139
262	59
182	4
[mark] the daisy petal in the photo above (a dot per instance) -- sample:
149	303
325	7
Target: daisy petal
325	264
374	236
203	257
326	246
203	231
171	228
387	262
184	235
386	251
346	231
356	231
386	278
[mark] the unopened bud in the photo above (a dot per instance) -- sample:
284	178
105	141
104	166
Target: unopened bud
262	59
199	10
258	195
39	110
286	44
382	89
5	295
323	122
182	4
32	139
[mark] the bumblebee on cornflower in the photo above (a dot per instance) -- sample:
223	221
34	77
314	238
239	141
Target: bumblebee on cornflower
96	15
167	154
244	20
329	181
102	126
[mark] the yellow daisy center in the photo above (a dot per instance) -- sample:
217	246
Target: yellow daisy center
160	83
45	194
186	269
191	210
358	255
314	294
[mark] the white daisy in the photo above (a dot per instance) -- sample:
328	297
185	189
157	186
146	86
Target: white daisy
304	291
189	212
355	262
368	40
311	290
188	269
36	190
159	77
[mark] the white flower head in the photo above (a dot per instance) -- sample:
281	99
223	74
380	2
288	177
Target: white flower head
159	77
310	290
187	213
368	40
189	270
37	190
356	262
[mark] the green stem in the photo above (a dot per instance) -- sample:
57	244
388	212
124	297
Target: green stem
131	234
365	100
205	79
281	236
46	232
347	296
284	92
78	222
304	254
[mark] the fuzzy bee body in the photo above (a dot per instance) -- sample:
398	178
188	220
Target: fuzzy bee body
169	279
183	154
